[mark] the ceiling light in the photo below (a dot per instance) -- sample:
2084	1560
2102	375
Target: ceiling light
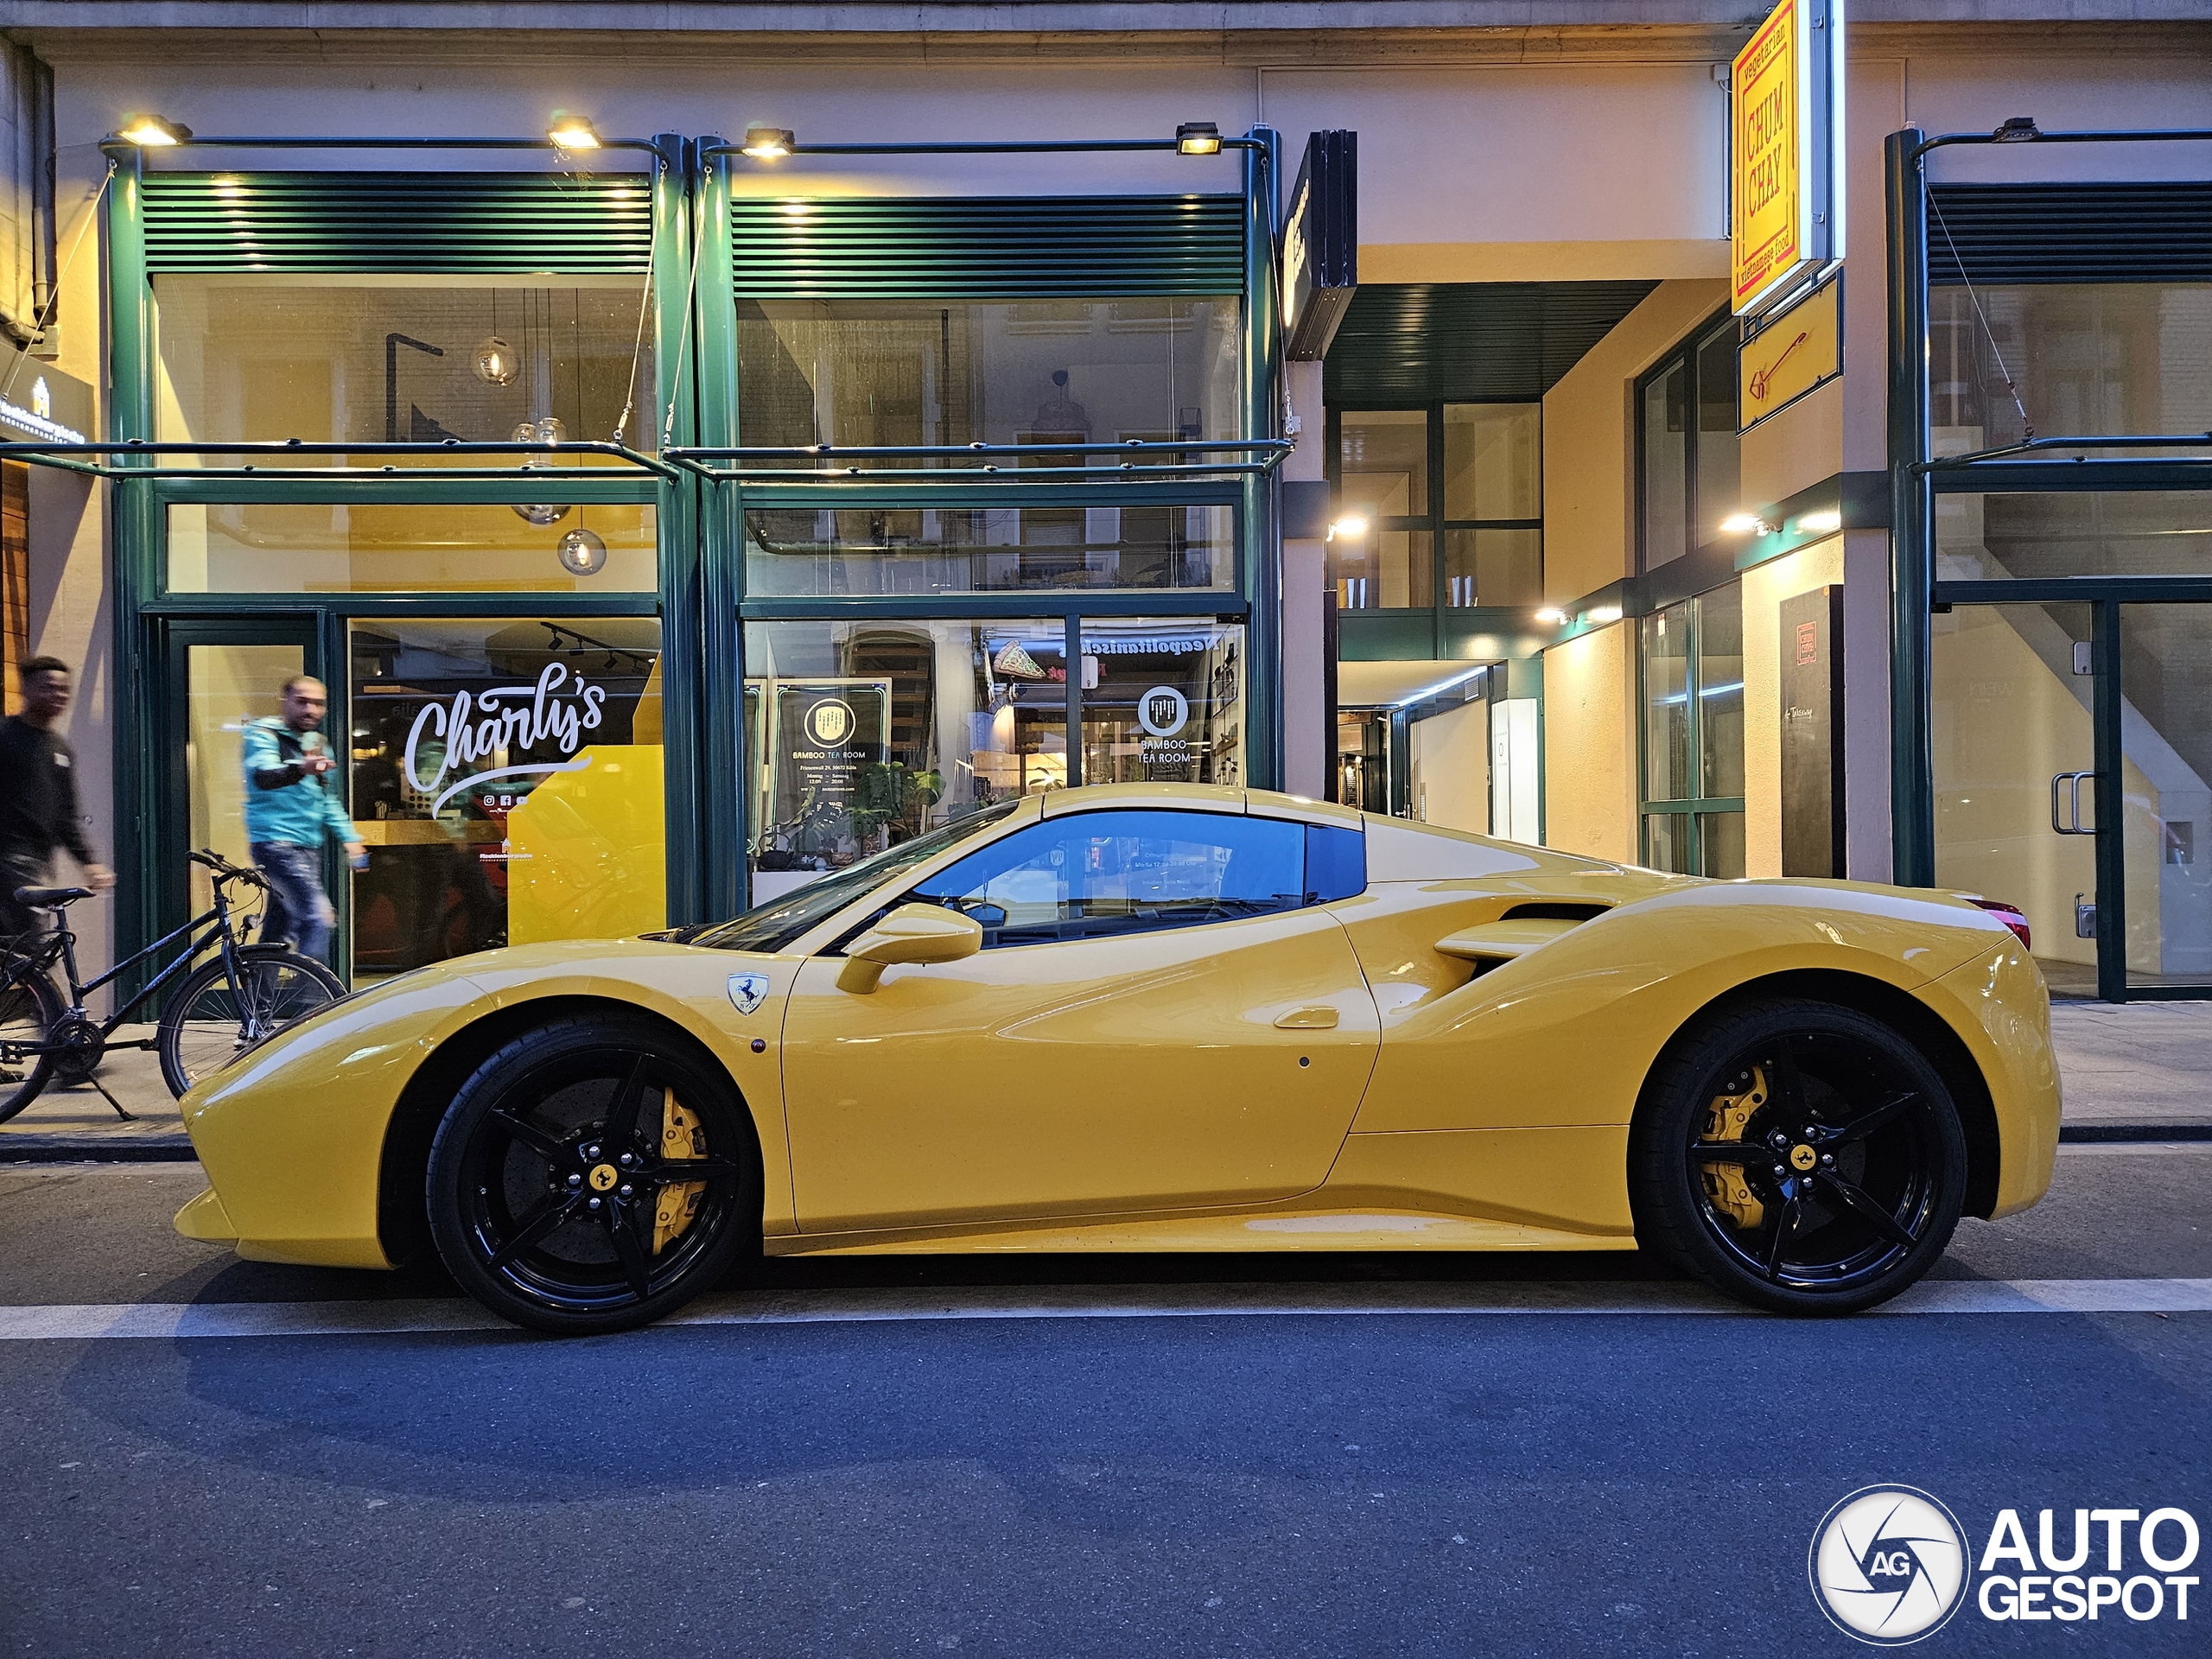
1606	613
150	130
1552	614
1197	138
573	132
768	144
1820	523
1349	528
1746	524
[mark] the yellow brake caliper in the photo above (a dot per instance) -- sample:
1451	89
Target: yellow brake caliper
1724	1183
678	1205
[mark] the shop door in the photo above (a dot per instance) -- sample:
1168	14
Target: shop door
218	675
2073	752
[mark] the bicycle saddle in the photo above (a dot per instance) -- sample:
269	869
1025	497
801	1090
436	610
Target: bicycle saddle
47	897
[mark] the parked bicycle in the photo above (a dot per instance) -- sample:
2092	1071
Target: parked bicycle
226	1005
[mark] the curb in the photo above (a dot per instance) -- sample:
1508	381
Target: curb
2079	1133
96	1152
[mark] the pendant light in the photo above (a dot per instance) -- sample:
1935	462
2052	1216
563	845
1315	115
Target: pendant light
583	552
547	430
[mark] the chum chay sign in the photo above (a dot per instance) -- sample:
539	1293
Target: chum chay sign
1785	148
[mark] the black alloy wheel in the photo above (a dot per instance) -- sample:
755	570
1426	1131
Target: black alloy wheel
593	1175
1798	1156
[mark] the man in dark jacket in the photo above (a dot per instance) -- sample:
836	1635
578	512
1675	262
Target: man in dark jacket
38	795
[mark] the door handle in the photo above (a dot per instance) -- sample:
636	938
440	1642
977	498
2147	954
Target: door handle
2072	783
1323	1019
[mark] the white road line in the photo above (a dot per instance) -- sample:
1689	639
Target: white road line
95	1321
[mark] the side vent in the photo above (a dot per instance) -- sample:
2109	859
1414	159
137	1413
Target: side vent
1553	910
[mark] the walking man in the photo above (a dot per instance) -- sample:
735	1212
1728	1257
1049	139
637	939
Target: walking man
38	795
290	812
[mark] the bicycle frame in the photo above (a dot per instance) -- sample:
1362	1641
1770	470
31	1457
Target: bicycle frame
63	945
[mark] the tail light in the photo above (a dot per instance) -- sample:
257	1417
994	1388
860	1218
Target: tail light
2010	916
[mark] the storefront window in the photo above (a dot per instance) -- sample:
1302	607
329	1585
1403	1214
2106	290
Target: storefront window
1693	766
861	735
1162	701
264	547
910	372
507	779
1480	512
806	553
2111	533
346	358
1689	471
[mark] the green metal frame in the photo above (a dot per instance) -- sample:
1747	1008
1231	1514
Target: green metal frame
1694	808
1917	477
690	465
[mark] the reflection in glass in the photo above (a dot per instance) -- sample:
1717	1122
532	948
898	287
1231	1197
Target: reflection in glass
268	546
912	371
1665	490
1383	570
2147	533
1382	464
1718	486
2165	683
808	552
1720	692
507	780
1666	705
367	358
1667	842
226	686
1493	460
1493	567
1162	701
1720	845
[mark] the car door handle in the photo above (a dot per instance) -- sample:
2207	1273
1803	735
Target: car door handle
1307	1020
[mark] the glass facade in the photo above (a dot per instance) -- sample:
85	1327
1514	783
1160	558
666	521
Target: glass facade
1693	735
920	372
1990	537
1451	497
343	359
1688	466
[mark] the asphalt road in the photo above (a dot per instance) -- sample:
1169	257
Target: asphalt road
1266	1455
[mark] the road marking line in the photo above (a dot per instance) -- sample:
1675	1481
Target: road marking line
99	1321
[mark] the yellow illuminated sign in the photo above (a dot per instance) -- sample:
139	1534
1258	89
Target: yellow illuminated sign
1783	110
1797	351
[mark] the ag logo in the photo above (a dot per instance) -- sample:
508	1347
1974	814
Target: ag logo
42	399
829	723
748	991
1163	710
1889	1564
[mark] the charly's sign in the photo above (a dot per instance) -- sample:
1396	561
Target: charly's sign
453	739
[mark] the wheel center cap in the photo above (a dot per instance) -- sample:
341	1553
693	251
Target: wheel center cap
1801	1157
603	1178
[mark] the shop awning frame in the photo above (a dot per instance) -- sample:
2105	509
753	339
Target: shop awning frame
728	466
64	457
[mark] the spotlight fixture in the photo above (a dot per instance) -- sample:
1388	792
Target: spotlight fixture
1197	138
1552	614
768	144
2017	130
1746	524
1349	528
1820	523
1606	613
149	130
573	132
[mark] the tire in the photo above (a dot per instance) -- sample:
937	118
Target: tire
29	1008
533	1206
204	1029
1868	1138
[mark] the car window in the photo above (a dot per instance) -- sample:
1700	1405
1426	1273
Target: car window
1096	873
776	923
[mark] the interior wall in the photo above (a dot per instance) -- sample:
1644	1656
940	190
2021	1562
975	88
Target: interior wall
1449	768
1589	744
1590	441
1764	588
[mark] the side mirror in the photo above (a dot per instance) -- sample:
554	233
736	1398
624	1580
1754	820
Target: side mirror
912	933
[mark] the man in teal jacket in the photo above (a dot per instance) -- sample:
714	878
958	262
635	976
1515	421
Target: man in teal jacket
290	810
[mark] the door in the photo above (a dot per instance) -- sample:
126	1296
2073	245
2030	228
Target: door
2080	793
217	675
1160	1018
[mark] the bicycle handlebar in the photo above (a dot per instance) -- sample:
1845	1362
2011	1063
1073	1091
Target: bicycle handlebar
224	870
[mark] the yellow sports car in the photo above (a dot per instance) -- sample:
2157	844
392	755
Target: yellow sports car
1144	1017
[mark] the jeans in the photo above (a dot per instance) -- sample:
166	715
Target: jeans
299	910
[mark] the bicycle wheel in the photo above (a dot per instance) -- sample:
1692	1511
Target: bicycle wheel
207	1025
29	1008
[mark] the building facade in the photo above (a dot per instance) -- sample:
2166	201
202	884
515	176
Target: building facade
696	457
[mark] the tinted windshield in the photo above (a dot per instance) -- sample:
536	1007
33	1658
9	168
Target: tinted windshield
776	923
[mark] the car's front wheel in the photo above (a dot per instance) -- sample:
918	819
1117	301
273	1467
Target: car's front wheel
1798	1156
593	1174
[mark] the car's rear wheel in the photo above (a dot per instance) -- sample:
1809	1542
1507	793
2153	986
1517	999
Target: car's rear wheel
593	1174
1798	1156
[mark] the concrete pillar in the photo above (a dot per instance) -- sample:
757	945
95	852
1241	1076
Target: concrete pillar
1307	722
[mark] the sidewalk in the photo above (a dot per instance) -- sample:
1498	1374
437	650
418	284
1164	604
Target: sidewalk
2130	1071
